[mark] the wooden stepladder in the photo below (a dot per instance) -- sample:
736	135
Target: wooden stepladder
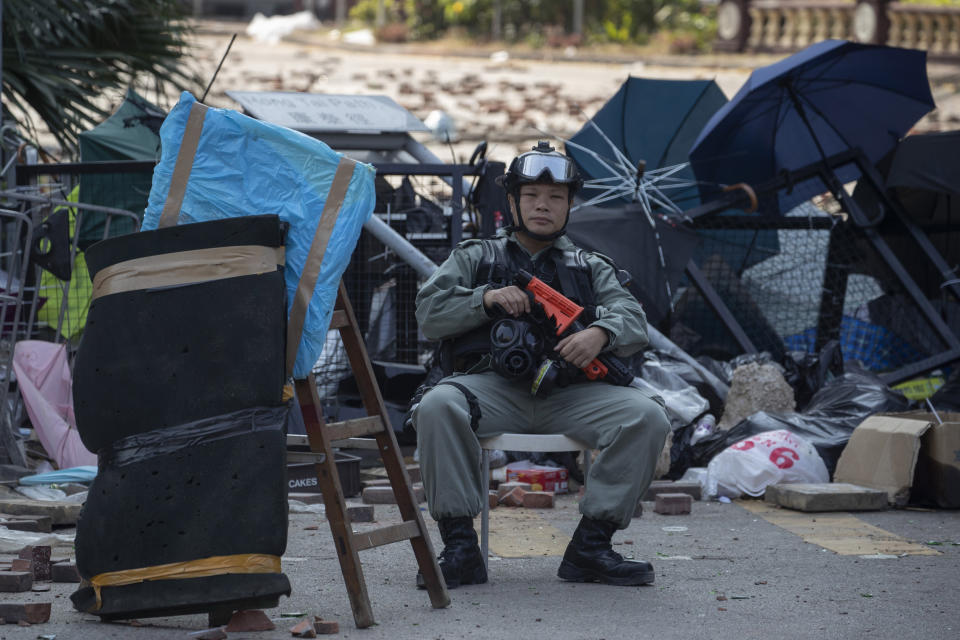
323	435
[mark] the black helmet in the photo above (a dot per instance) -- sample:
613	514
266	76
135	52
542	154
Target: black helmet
543	164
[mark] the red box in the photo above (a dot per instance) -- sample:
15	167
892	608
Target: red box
540	478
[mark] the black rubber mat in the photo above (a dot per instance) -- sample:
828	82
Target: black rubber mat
159	358
181	597
266	231
223	495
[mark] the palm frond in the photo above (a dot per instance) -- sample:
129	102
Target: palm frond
60	57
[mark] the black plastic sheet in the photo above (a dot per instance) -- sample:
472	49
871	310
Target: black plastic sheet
829	419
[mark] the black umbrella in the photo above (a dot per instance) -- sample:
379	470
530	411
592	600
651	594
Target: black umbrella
923	175
625	235
831	97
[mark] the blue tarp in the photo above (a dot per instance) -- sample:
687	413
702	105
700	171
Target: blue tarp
246	167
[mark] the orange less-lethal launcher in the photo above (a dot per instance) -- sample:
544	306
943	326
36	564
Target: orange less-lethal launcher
565	313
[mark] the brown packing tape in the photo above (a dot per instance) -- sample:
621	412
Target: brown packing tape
212	566
181	169
311	269
186	267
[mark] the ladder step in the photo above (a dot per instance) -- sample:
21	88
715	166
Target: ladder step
355	428
386	535
356	443
339	319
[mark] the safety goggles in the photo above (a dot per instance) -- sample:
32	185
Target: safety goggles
532	165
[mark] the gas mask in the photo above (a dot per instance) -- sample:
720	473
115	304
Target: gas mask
520	349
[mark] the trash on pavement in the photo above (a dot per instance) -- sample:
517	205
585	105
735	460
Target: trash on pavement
911	456
540	478
832	415
751	465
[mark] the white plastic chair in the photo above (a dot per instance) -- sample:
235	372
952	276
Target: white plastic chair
521	442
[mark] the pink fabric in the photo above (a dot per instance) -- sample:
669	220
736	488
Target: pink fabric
43	376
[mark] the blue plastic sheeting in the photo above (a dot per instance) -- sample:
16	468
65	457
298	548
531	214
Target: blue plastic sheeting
73	474
246	167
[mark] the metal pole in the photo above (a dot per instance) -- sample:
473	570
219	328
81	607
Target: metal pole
341	15
420	263
496	28
578	17
381	18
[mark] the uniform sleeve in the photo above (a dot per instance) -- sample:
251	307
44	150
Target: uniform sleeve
618	312
448	304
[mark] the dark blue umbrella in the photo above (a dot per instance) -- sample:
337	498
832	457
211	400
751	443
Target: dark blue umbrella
831	97
649	121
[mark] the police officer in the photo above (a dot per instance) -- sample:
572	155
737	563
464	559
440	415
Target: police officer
458	304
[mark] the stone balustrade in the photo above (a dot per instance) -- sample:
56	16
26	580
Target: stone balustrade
790	25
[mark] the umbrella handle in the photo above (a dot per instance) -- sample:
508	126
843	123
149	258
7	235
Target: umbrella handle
751	194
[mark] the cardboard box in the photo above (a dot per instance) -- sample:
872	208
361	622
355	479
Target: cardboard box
911	456
540	478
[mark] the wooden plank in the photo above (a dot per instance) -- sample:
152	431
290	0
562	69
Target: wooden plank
356	443
328	478
390	452
386	535
339	319
354	428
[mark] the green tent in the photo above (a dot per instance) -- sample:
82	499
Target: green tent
130	133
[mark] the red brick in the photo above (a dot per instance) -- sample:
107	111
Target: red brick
12	581
19	564
64	572
250	620
39	524
514	498
657	487
360	513
325	627
304	629
493	499
384	495
34	612
538	499
673	503
507	487
379	495
40	555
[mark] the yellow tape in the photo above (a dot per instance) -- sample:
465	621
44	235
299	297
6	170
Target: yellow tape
212	566
186	267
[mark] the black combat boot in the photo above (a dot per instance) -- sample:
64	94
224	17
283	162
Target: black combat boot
589	558
461	561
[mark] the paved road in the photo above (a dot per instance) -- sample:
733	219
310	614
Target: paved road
725	571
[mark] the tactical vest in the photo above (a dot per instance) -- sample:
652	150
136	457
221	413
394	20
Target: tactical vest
566	271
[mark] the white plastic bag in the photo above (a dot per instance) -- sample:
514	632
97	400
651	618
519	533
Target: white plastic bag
772	457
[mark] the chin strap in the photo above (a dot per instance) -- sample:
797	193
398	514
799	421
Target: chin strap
542	237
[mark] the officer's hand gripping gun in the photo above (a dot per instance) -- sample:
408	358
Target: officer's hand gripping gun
564	312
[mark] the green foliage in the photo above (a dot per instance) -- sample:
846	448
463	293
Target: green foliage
61	56
366	11
530	21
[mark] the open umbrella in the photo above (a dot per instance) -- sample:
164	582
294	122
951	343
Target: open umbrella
923	174
648	123
831	97
654	256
